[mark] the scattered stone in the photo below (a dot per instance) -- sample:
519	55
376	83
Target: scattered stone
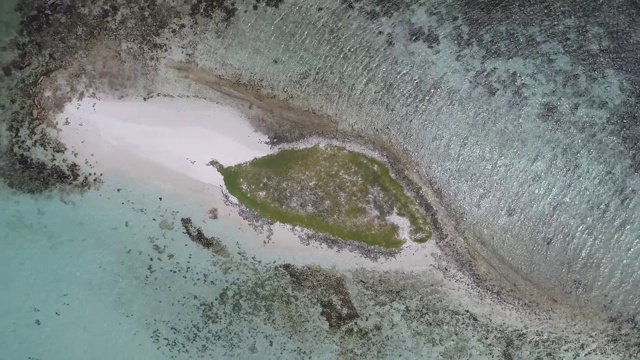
429	37
196	235
166	225
225	10
213	213
159	249
373	253
271	3
329	289
7	70
217	165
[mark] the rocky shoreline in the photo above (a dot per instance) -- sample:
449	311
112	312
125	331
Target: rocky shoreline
33	161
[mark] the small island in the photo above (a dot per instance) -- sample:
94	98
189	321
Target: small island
331	190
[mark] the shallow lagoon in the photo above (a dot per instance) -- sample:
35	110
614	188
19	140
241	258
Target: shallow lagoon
96	277
122	307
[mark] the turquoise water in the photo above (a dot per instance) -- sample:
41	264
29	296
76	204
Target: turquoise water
548	194
64	270
95	277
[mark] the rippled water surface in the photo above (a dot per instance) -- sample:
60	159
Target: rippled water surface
524	119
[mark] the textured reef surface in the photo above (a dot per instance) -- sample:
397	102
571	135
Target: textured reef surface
521	119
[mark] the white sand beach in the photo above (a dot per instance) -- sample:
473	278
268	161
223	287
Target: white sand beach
170	141
182	135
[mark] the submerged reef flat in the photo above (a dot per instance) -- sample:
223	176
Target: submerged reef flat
521	128
330	190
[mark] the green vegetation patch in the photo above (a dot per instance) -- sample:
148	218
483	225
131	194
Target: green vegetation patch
329	190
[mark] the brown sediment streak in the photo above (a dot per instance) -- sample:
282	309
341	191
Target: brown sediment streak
272	115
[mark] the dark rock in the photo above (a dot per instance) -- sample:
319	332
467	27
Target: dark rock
429	37
7	70
549	113
32	175
209	8
271	3
376	9
275	139
213	213
330	290
389	40
196	235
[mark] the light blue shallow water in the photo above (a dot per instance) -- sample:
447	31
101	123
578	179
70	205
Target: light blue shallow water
95	277
67	275
535	165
